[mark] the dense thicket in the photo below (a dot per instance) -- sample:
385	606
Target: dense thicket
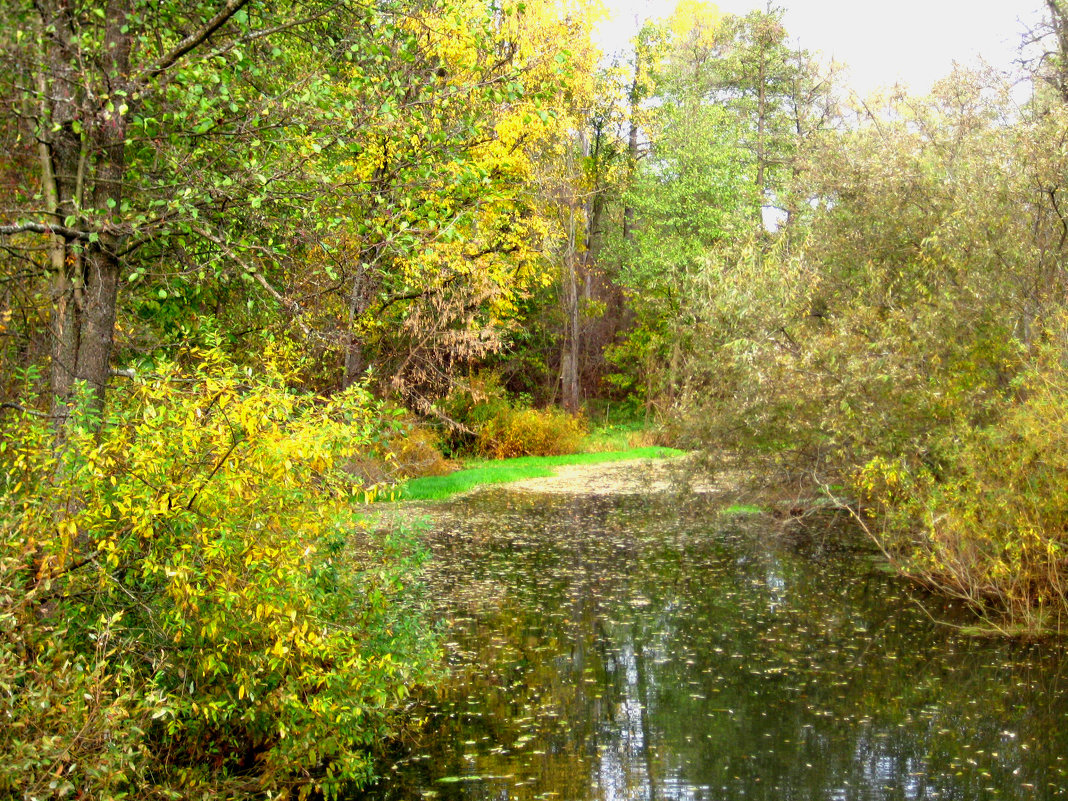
900	338
225	227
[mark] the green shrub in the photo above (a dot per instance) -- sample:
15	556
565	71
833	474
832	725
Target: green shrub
499	428
189	605
470	405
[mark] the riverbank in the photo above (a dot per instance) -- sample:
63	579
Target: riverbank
555	472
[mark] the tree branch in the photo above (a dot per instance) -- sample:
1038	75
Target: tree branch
32	412
43	228
198	37
254	272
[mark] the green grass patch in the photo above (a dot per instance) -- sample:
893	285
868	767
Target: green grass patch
619	437
743	509
504	471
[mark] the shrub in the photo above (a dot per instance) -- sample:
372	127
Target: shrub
500	428
190	606
530	432
415	451
403	449
470	404
990	522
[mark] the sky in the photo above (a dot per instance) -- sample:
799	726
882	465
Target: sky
909	41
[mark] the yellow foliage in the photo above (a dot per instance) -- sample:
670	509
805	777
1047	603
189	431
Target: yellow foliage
462	215
250	601
695	21
530	432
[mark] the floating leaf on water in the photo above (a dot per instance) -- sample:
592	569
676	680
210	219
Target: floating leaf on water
598	631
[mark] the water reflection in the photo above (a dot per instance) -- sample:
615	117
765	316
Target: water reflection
647	648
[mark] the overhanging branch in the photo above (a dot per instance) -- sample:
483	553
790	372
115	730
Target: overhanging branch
43	228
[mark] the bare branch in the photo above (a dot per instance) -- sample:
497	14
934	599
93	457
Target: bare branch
43	228
251	37
286	303
24	410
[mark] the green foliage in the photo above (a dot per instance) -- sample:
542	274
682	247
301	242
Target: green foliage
900	313
743	509
723	131
991	524
470	404
617	437
191	603
685	198
912	345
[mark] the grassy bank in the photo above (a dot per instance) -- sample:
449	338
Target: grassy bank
507	470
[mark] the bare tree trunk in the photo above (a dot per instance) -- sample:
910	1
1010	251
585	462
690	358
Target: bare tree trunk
595	213
355	354
83	322
632	146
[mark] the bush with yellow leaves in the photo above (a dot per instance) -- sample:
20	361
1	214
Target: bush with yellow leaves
530	432
189	605
499	427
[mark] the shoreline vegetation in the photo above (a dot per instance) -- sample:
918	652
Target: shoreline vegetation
262	262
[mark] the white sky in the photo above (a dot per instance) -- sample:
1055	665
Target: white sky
881	42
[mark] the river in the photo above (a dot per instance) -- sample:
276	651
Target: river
650	645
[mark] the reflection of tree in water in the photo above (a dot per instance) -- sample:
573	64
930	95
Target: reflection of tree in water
639	649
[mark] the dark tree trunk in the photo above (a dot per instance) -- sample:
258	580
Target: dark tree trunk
83	322
569	358
569	354
83	164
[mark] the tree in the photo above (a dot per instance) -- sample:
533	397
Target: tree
582	182
179	131
1050	63
452	231
687	194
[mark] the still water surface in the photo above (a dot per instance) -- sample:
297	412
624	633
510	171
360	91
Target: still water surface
652	647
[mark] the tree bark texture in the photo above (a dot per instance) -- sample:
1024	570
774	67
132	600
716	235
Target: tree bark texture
569	356
360	296
82	166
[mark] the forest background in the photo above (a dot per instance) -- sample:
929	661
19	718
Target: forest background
259	264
